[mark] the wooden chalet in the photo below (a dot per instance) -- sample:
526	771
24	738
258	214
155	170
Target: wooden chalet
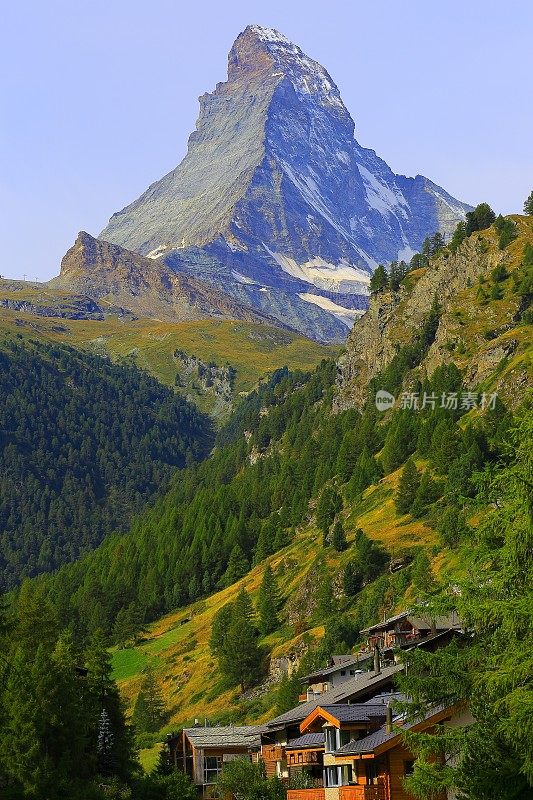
410	629
338	670
380	762
202	751
280	731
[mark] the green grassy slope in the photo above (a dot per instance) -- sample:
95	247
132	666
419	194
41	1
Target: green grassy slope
254	350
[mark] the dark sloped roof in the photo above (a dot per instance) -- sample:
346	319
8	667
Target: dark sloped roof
379	737
308	740
224	736
355	712
352	688
348	661
368	744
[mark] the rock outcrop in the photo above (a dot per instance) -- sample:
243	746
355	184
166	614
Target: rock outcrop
115	276
475	336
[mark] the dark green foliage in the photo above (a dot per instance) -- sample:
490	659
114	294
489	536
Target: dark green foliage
459	235
289	690
338	537
453	527
366	472
379	279
528	205
329	505
407	487
234	643
421	575
83	444
237	567
245	780
149	712
268	603
397	272
128	624
480	218
341	633
172	786
59	729
492	667
352	579
507	231
427	493
368	560
400	441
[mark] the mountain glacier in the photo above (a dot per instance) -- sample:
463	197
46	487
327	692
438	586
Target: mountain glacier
275	201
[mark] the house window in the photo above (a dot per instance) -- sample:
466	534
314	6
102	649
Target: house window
346	774
352	672
344	737
331	740
408	767
212	768
371	772
331	776
343	672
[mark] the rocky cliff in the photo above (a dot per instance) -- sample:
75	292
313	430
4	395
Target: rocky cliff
277	191
129	281
481	337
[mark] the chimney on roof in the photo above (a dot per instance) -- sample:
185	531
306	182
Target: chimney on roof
377	660
388	719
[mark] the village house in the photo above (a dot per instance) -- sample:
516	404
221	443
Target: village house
202	751
374	767
409	629
284	729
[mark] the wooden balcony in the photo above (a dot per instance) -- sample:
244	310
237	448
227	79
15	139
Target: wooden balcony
296	757
305	794
362	793
272	752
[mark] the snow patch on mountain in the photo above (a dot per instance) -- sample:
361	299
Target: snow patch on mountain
342	277
346	315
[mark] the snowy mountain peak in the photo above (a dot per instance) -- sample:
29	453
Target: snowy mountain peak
288	61
276	202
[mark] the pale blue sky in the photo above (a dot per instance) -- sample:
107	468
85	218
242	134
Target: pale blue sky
97	99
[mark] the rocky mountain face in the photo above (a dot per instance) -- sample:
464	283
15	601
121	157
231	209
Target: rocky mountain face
124	281
480	337
276	201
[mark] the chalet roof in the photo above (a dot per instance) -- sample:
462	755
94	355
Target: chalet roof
347	661
349	689
307	740
381	736
418	621
355	712
224	736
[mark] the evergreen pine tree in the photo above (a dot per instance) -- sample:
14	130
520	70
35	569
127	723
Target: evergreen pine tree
528	205
105	745
427	493
268	603
407	487
338	537
149	712
237	567
353	580
379	279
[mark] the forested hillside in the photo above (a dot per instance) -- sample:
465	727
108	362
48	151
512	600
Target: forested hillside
84	444
309	522
285	458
